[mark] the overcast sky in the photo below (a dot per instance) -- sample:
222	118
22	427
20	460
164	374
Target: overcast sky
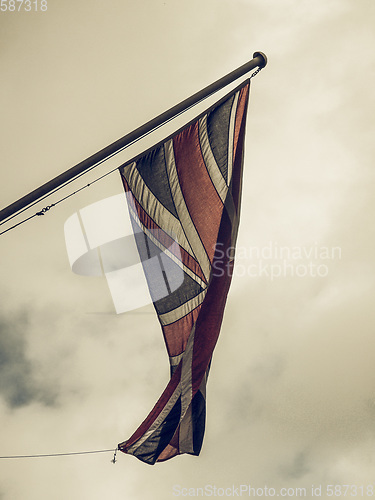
291	394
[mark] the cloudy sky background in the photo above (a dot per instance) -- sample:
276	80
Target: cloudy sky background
291	395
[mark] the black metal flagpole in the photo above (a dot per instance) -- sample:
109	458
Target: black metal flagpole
259	60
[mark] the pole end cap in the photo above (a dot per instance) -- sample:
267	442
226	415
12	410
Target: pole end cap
264	58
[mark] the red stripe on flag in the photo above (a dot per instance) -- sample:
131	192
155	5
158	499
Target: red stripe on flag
211	314
202	200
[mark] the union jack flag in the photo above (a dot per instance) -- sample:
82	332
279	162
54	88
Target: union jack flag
184	195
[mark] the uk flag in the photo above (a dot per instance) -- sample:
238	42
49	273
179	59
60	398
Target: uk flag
187	189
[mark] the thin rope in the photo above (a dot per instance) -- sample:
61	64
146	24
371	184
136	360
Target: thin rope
46	209
15	225
62	454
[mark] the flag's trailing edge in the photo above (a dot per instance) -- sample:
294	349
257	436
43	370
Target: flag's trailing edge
188	189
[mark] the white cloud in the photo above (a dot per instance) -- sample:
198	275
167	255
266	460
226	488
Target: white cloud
290	395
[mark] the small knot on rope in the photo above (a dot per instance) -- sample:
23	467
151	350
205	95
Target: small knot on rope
114	456
45	209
